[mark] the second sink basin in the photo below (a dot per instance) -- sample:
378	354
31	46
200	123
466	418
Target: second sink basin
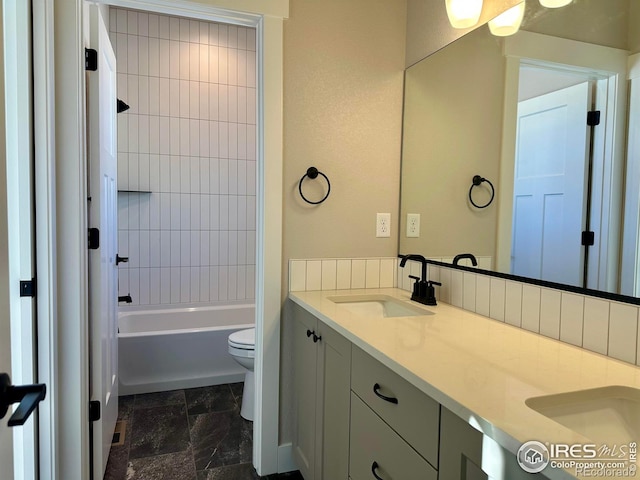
607	414
378	306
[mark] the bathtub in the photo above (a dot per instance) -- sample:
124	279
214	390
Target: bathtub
175	348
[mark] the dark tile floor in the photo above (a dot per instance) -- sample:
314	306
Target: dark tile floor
194	434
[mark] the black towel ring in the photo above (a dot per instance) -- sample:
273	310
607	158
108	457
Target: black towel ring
477	180
312	173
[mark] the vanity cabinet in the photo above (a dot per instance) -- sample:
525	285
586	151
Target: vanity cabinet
355	418
321	381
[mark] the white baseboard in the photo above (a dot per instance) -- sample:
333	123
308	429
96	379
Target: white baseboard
285	458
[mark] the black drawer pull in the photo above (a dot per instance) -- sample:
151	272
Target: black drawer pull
376	387
309	333
374	467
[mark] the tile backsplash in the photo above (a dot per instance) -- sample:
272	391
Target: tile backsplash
342	273
188	143
604	326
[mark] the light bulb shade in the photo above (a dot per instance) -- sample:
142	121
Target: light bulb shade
463	13
554	3
507	23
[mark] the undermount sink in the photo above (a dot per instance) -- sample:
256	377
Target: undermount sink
607	414
378	306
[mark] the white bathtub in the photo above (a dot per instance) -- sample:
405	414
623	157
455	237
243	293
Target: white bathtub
174	348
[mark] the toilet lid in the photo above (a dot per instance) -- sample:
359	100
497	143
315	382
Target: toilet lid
243	338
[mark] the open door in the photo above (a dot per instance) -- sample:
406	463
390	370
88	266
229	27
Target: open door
6	437
18	452
102	254
550	184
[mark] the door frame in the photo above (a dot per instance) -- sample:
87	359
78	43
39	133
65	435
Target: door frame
61	163
45	207
535	48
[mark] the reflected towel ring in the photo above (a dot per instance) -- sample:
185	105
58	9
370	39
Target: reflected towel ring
477	180
312	173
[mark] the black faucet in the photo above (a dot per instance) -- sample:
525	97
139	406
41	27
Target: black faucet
470	256
125	298
423	290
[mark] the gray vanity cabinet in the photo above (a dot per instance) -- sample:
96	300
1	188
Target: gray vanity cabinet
355	418
322	380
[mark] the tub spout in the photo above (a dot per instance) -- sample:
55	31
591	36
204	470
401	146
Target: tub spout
125	298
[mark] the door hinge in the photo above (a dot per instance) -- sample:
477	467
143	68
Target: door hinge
94	238
28	288
94	410
593	118
90	59
588	238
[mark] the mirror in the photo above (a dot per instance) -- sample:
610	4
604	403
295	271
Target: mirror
481	106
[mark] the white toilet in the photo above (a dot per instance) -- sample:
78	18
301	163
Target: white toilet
242	346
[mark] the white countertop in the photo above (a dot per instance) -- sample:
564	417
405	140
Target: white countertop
481	369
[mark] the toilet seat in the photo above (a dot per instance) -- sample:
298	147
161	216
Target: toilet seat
243	340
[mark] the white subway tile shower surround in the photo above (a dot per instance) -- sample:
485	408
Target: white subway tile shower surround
190	139
604	326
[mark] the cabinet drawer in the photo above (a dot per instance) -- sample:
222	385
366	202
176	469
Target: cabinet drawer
374	444
415	416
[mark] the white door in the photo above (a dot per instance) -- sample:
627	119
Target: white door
102	268
549	186
6	437
18	459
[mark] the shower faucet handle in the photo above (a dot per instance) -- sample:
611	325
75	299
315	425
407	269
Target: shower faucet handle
120	259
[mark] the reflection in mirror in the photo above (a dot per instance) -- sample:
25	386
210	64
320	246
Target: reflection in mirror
514	111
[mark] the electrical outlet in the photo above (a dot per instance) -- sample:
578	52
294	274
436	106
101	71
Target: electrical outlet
383	225
413	224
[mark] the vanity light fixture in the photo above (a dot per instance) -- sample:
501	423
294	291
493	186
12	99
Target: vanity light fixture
508	22
463	13
554	3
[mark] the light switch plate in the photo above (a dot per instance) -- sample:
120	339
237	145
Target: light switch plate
383	225
413	225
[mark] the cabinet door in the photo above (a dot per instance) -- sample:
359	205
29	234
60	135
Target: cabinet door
414	415
379	452
304	391
467	454
334	380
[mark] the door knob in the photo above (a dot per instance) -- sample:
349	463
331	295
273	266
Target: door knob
28	396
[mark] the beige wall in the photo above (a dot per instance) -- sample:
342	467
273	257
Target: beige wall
342	114
633	44
343	79
453	127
